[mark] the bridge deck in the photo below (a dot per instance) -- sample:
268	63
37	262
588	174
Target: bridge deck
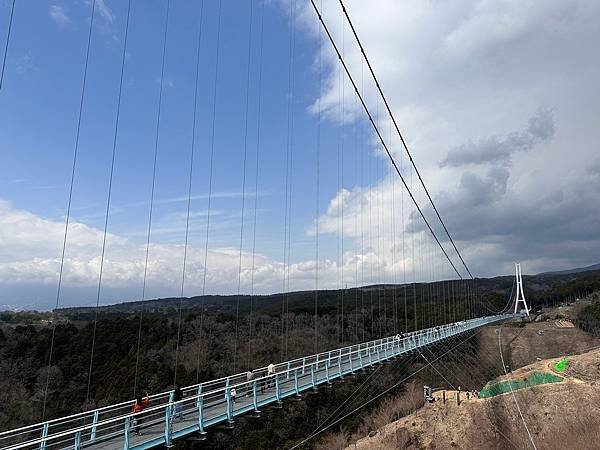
211	403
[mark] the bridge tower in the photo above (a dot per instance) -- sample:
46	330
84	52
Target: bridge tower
520	295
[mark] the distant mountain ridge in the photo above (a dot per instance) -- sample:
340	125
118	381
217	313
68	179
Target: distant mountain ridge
575	270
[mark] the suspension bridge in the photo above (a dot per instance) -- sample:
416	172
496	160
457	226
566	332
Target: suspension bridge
219	402
212	403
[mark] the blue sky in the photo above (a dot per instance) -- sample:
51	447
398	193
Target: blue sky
484	93
40	106
39	111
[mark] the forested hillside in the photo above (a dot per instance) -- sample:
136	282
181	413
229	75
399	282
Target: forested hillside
208	337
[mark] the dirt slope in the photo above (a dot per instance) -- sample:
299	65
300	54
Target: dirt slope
537	340
559	416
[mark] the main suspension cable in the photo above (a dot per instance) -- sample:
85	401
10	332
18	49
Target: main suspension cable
379	135
364	54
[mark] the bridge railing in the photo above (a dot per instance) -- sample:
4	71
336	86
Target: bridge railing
212	401
99	415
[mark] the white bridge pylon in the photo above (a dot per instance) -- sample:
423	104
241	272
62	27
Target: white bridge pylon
520	295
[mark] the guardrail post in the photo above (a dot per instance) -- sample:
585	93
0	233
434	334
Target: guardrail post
370	355
296	383
44	435
327	373
385	349
229	403
255	397
287	373
329	358
350	360
317	362
77	443
360	361
126	439
340	364
94	425
303	365
313	376
277	388
168	424
200	405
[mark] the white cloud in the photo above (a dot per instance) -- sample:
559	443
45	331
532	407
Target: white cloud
31	248
58	14
458	75
494	23
105	11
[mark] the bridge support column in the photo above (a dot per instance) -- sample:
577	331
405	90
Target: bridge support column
44	435
256	412
126	434
200	406
278	391
229	405
77	443
94	425
360	360
296	386
169	425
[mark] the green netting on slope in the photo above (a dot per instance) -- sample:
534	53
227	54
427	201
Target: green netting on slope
561	365
491	390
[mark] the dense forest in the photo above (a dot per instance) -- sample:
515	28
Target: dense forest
268	329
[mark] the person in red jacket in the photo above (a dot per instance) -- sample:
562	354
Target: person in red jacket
138	406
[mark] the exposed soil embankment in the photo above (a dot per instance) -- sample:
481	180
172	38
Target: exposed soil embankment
559	415
535	341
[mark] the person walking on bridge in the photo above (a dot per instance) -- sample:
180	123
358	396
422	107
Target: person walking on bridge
249	378
138	407
270	374
178	407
